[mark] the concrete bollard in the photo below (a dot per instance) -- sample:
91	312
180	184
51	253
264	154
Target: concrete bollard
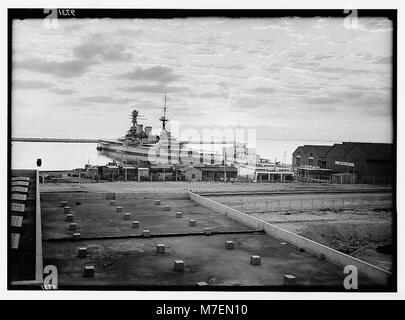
73	226
69	217
112	202
192	223
179	214
167	208
289	280
82	252
201	284
157	202
160	248
178	265
119	209
255	260
229	245
127	216
146	233
88	271
66	209
135	224
64	203
208	231
76	236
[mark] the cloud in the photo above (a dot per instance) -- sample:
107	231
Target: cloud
248	102
323	57
30	84
382	60
160	74
323	100
156	88
210	95
64	69
103	47
62	91
264	90
235	67
38	84
343	71
96	49
104	99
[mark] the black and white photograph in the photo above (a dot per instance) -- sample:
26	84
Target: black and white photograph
202	150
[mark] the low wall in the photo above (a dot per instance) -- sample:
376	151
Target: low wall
378	275
59	196
76	196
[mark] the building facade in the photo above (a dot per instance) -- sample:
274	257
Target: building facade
348	162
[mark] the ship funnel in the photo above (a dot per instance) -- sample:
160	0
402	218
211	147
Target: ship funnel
148	130
139	128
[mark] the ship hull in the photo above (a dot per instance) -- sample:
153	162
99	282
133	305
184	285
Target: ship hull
157	154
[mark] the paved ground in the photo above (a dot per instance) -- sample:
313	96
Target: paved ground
97	218
134	262
175	187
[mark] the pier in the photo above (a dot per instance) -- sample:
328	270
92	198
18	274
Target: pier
65	140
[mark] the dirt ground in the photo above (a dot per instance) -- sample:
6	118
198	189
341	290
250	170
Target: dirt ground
363	230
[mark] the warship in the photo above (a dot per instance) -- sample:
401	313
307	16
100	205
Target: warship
139	145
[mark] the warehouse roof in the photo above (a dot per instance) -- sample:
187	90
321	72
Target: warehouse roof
374	151
320	150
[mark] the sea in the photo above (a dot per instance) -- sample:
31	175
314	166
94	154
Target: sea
67	156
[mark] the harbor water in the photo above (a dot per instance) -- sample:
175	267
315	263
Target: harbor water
67	156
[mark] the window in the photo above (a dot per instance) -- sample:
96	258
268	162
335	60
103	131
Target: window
193	176
310	160
322	163
298	161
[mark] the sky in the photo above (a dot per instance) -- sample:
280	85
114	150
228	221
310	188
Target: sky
289	79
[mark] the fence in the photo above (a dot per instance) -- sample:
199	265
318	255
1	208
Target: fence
305	204
382	180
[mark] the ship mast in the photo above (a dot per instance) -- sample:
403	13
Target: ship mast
163	118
